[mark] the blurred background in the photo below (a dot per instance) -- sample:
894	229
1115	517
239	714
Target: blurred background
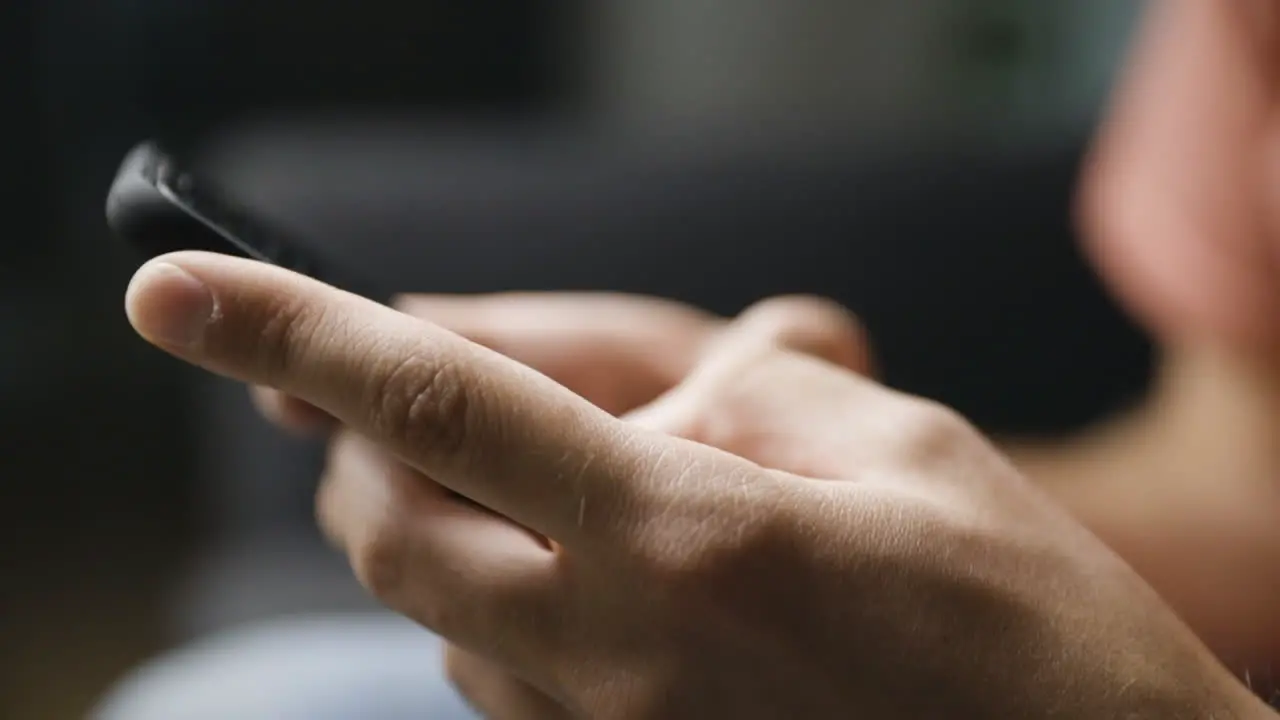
914	160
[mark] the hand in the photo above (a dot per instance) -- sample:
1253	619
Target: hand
617	352
925	578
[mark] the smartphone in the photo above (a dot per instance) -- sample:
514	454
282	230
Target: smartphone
159	206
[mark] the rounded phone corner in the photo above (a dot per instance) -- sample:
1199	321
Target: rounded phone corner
135	207
134	181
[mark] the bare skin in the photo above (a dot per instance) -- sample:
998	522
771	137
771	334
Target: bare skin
777	536
1182	487
1180	209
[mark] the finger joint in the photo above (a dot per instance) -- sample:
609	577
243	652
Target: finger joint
425	405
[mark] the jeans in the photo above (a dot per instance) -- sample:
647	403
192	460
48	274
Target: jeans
339	667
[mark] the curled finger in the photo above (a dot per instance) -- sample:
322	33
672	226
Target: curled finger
496	693
473	577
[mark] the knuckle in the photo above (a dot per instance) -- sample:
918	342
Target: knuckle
717	574
456	609
810	324
680	414
406	303
713	555
725	407
784	311
930	429
457	671
801	314
717	421
281	336
279	329
381	558
325	508
425	403
445	617
464	606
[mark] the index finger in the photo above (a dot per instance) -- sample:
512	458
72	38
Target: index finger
617	351
484	426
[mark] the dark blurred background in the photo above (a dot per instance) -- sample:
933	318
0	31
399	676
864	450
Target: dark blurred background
914	160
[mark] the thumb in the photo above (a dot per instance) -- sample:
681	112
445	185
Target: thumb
775	387
804	324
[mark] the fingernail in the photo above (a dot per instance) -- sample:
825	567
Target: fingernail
169	305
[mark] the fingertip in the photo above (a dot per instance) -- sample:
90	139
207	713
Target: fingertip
810	325
168	305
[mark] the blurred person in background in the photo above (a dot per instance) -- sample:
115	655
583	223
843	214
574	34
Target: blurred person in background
1178	212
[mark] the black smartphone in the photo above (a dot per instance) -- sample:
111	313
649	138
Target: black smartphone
158	206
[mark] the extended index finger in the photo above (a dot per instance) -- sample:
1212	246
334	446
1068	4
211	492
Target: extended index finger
488	428
617	351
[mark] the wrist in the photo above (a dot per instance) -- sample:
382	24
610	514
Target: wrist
1170	674
1184	489
1242	704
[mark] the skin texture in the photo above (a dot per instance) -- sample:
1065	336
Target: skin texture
775	536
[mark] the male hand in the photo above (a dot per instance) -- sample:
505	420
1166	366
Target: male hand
911	573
